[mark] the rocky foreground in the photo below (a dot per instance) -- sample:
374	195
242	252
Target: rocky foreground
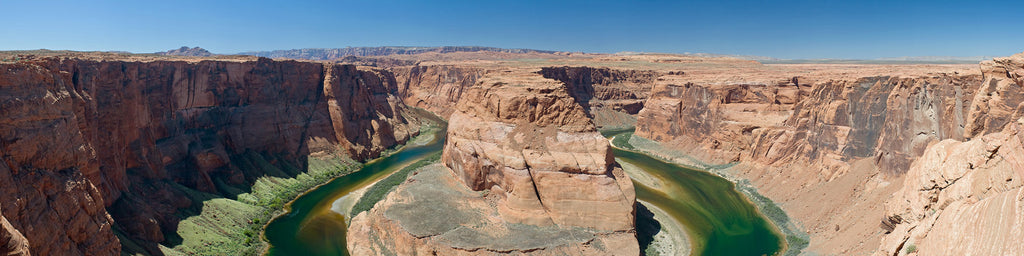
550	184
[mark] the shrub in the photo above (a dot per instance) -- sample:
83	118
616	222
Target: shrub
381	189
911	248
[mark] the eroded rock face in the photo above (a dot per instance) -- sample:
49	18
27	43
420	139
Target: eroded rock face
435	88
433	213
81	135
612	97
533	144
12	242
854	138
527	142
1000	99
718	123
598	88
962	198
889	118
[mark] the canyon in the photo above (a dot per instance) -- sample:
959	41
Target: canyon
546	173
102	148
94	146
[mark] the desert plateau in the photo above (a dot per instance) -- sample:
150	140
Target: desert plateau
649	149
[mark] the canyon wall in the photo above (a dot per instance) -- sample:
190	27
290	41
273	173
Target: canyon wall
612	97
967	197
435	88
833	151
832	122
530	146
84	138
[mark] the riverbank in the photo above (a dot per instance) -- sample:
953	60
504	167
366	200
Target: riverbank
234	226
315	223
796	240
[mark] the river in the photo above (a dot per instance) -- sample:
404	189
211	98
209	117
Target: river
717	218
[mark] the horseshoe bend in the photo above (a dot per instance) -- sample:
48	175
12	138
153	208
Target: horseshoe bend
474	150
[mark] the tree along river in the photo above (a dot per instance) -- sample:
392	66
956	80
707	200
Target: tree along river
717	218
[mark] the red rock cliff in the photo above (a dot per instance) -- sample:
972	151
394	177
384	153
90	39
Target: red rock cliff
81	135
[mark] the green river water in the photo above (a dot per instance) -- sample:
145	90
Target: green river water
717	218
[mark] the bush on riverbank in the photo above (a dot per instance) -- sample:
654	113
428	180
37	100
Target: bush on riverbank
381	189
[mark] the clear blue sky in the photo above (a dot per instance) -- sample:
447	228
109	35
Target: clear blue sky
785	29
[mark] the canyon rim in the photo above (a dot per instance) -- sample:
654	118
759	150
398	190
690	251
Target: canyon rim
516	128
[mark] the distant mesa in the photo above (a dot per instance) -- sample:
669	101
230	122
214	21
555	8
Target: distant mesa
185	51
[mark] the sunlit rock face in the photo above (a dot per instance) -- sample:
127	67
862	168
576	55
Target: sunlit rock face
536	155
89	142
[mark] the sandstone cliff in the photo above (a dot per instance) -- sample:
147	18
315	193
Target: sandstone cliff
613	97
966	197
833	150
962	198
133	137
12	242
530	145
891	119
435	88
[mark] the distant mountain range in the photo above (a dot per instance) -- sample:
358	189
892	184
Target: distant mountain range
336	53
887	60
186	51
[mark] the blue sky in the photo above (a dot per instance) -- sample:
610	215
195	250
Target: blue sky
785	29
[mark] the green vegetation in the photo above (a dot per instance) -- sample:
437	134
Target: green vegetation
796	239
911	248
381	189
226	226
622	140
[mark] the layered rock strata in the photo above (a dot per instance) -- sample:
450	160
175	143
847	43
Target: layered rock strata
435	88
967	197
613	97
807	141
961	198
12	242
529	145
81	138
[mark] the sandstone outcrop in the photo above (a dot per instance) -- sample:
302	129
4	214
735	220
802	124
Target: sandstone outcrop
889	118
717	122
613	97
12	242
1000	99
531	146
81	135
962	198
966	197
435	88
